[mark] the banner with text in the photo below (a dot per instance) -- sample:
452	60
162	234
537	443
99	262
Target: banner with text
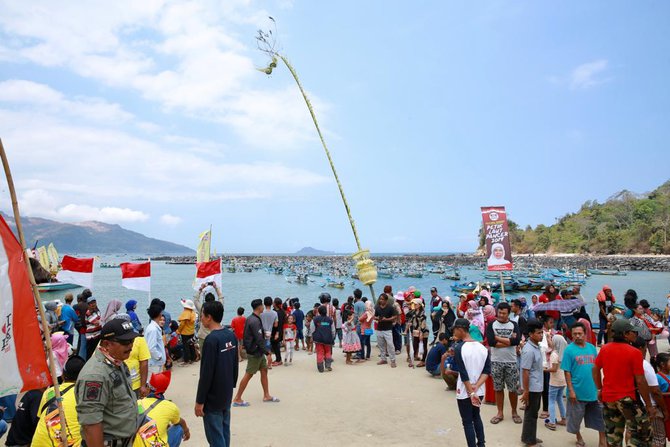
498	249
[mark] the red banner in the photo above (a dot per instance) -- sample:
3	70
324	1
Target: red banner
498	249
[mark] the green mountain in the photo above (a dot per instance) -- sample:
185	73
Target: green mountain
626	223
92	237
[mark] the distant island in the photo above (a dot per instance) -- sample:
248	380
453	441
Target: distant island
309	251
627	223
92	237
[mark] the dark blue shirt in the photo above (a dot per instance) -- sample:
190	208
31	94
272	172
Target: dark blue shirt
218	370
299	316
435	356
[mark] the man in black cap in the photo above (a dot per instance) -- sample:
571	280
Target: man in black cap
473	363
106	403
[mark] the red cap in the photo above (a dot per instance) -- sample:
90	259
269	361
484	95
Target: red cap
161	381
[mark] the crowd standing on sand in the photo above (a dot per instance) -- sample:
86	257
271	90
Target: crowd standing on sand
542	355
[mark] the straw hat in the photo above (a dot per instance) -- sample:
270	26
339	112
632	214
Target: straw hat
188	304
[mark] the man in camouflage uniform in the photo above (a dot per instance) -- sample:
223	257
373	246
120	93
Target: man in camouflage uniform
106	403
622	369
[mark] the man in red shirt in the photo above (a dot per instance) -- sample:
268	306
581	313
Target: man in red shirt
238	328
622	369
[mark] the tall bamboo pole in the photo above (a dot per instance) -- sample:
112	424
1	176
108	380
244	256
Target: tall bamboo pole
330	159
36	295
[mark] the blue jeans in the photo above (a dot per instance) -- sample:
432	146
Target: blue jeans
365	343
472	423
9	402
3	427
556	397
217	427
175	435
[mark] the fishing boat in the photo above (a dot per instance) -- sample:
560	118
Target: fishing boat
465	287
607	272
385	275
104	265
452	276
231	269
46	287
336	285
413	275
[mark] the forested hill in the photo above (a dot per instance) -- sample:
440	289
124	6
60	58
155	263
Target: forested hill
625	223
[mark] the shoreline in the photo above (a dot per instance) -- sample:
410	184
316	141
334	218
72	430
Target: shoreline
633	262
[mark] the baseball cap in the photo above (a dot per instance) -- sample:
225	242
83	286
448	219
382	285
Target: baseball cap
622	326
118	330
433	289
461	323
90	299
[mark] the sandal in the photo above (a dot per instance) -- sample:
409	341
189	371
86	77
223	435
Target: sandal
241	404
550	426
496	419
271	400
562	423
517	419
580	444
543	415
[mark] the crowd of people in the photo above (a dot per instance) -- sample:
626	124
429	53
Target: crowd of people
113	381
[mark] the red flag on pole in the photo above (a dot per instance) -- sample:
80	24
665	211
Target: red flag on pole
77	271
136	276
23	365
208	272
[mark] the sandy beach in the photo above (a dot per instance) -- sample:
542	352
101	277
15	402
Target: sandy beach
363	404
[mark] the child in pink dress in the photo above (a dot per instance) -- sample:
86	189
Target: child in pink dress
350	341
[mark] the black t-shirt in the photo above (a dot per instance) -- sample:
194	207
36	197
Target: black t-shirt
26	419
218	370
385	312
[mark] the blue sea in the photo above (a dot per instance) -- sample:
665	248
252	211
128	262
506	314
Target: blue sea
172	283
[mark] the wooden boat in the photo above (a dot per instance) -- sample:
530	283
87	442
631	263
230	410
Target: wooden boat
104	265
46	287
464	288
453	276
336	285
413	275
607	272
385	275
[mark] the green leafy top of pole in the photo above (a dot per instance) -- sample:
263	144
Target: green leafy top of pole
267	43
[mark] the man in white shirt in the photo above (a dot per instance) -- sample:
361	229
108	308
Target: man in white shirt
154	338
473	363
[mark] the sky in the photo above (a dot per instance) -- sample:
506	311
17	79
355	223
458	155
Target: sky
153	115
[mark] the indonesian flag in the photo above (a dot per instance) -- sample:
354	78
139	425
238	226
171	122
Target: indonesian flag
136	276
76	271
23	365
207	272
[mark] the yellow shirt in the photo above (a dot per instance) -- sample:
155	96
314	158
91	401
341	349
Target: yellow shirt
47	433
154	432
140	353
186	322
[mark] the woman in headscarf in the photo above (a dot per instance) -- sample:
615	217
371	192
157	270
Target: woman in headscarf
551	294
474	315
419	330
497	255
557	383
186	330
51	315
589	330
61	350
366	319
131	305
112	310
447	317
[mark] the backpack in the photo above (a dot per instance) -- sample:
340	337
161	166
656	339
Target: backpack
51	418
147	431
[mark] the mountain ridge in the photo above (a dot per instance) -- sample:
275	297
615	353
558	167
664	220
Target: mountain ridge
91	237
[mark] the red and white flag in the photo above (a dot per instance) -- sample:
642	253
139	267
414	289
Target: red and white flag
23	364
76	271
136	276
207	272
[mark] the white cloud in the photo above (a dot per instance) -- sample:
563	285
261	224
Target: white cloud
26	93
587	75
191	57
39	202
170	220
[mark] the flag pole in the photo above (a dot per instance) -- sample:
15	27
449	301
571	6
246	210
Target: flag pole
502	287
36	295
149	258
